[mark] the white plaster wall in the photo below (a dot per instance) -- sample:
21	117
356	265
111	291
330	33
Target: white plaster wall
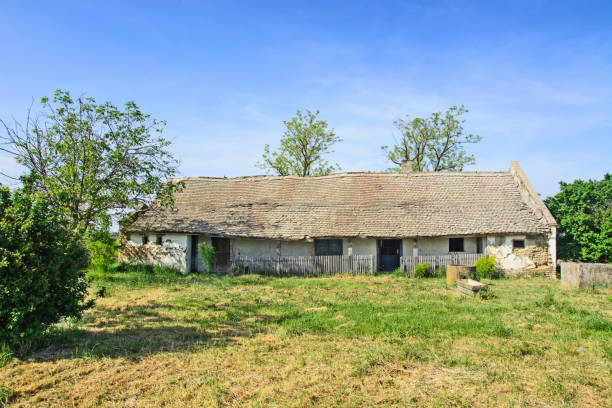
501	249
439	246
296	248
361	246
254	247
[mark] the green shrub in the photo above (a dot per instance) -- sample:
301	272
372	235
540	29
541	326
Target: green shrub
102	250
485	267
6	356
207	254
440	272
5	395
42	267
420	271
398	273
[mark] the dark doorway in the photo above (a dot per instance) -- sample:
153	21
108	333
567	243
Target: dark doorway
389	252
194	254
222	251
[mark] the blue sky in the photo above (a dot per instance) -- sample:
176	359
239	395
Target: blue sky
536	75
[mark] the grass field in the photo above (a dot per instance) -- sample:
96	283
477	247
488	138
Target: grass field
170	340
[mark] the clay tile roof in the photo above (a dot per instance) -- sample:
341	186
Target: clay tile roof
348	205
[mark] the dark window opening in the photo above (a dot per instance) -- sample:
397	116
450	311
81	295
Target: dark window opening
194	254
455	245
159	240
222	251
518	243
328	247
480	245
145	239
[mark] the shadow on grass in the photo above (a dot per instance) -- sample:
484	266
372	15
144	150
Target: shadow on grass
142	330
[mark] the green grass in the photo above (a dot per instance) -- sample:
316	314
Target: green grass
157	337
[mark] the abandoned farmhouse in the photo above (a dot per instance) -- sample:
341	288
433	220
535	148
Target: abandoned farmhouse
383	219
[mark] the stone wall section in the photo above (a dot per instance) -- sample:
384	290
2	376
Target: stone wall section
579	275
534	259
169	254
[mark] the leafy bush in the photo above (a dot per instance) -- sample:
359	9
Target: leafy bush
42	267
440	272
207	254
102	250
420	271
486	294
485	267
6	356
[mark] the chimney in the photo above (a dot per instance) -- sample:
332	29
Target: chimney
407	166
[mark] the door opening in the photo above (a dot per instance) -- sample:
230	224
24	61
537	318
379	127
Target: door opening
222	251
389	252
194	254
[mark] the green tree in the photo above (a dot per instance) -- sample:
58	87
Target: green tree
583	210
42	276
93	161
432	144
302	147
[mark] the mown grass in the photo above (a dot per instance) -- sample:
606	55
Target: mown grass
156	337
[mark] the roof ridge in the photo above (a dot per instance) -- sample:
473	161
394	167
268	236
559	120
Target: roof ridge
347	174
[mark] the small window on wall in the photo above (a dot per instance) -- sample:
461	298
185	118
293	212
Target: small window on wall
145	239
455	245
518	243
159	240
328	247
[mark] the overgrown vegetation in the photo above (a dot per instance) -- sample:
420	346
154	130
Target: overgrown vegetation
208	340
41	267
583	210
421	270
207	255
435	143
103	249
303	147
485	267
92	160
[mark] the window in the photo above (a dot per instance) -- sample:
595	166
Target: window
518	243
479	245
455	245
328	247
159	240
145	239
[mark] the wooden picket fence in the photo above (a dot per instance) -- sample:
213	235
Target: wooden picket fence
305	265
435	261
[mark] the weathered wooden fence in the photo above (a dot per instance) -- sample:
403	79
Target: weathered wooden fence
435	261
305	265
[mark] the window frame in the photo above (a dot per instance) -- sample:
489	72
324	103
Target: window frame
326	250
451	247
520	246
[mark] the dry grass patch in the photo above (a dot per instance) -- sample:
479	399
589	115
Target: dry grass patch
344	341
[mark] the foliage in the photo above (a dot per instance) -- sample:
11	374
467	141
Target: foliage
397	272
420	271
432	144
440	272
485	267
41	267
486	294
6	356
94	161
207	254
583	210
302	147
102	249
5	395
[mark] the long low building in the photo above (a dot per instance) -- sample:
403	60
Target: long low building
384	215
